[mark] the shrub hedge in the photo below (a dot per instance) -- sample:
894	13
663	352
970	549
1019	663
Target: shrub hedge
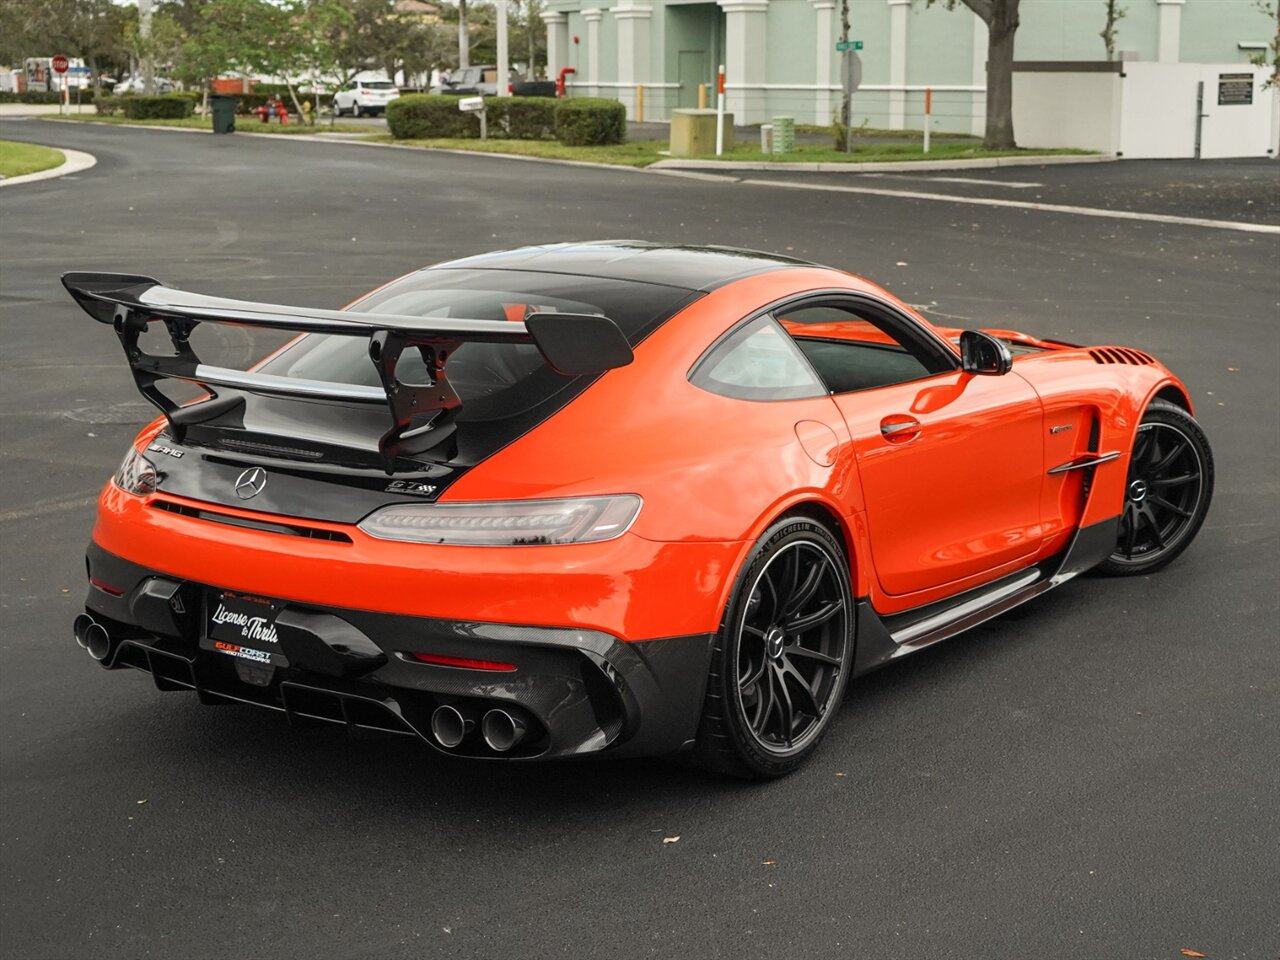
422	116
39	96
590	121
165	106
576	122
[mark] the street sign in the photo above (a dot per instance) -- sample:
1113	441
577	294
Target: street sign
851	72
843	45
59	64
471	104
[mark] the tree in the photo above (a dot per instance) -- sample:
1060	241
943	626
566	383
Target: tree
93	29
1271	56
1115	13
1001	18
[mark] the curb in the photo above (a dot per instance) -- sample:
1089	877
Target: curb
896	166
75	162
724	168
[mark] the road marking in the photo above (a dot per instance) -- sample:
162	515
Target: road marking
1013	184
1026	205
48	506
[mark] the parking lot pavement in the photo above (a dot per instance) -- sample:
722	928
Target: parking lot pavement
1240	190
1091	776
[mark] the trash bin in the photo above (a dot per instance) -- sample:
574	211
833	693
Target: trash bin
223	109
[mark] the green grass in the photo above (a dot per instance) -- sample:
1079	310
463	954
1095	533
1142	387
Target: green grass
641	153
636	153
880	132
244	124
17	159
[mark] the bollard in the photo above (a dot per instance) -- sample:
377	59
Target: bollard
639	103
766	138
702	96
928	112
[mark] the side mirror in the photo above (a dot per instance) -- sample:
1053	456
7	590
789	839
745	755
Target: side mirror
983	354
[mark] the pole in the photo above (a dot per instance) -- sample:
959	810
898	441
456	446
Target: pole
928	114
639	103
720	111
504	72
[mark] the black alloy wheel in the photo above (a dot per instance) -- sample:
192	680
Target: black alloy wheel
782	657
1167	492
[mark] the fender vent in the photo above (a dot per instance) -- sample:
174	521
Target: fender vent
1121	355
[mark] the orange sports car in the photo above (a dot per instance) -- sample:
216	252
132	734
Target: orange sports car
609	498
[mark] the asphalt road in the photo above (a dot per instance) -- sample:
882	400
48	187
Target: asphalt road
1093	776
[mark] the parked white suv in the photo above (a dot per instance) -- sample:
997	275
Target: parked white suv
364	97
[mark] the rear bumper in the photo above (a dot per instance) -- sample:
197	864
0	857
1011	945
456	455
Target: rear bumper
582	691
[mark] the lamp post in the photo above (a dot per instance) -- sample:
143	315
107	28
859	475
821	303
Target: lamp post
504	71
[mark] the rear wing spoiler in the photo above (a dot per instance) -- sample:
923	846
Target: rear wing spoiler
571	344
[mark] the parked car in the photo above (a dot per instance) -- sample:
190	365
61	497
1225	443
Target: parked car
364	97
614	498
480	80
138	85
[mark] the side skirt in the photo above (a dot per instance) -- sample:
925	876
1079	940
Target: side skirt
881	639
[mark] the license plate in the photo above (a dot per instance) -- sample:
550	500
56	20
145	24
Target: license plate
243	626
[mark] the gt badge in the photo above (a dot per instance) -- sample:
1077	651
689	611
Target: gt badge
251	483
411	486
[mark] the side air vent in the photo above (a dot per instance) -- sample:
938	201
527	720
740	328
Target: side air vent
1121	355
285	529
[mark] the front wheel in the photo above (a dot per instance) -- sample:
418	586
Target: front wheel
1167	493
782	656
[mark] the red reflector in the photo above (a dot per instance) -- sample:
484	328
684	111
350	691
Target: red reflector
463	662
106	587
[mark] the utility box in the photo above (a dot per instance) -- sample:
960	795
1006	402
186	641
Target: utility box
693	132
784	134
223	110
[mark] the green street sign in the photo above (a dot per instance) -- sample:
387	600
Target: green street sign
843	45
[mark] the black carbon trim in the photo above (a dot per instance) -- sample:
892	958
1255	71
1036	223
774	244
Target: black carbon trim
588	691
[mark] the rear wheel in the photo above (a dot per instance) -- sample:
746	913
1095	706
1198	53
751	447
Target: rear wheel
1167	493
355	109
782	656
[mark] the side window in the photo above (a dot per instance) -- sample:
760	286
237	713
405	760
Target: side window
854	349
757	362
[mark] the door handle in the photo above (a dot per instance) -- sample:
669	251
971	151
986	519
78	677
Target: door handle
899	429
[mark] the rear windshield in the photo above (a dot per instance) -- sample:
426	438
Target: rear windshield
497	382
377	84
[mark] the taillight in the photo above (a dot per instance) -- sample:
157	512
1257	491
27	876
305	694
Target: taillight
509	523
137	475
465	662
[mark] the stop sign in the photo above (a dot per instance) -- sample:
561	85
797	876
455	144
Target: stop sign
59	64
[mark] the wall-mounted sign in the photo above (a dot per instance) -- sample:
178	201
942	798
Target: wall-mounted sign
1235	89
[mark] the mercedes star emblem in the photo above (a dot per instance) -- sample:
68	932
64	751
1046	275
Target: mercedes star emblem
251	483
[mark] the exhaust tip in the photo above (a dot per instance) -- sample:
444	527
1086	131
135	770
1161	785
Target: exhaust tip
502	730
98	641
80	626
450	726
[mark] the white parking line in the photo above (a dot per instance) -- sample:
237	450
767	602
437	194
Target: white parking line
1026	205
1013	184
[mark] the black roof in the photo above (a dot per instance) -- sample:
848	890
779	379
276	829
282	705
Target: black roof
687	267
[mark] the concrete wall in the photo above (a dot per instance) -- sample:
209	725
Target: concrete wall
1148	111
779	63
1058	109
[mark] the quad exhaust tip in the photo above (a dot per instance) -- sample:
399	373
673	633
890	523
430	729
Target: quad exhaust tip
92	636
450	726
502	729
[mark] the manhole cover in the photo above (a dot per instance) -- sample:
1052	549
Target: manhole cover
136	411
